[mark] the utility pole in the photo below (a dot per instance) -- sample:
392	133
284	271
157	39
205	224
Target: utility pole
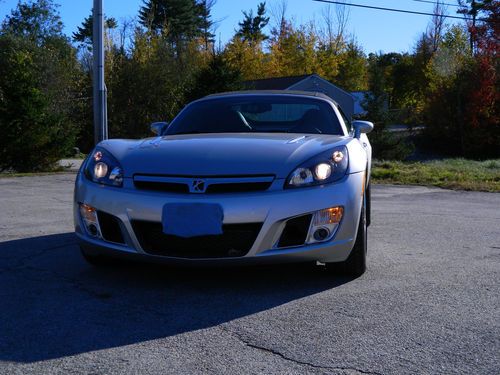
473	31
100	102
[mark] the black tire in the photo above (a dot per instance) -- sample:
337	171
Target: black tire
368	205
95	260
355	265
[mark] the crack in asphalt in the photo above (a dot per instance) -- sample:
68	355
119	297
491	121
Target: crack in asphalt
74	283
296	361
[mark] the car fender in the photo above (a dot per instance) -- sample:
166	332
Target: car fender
359	155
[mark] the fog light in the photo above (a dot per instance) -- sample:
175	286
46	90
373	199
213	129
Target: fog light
324	224
89	218
321	234
93	231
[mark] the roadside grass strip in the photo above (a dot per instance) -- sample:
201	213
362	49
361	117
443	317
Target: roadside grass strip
457	174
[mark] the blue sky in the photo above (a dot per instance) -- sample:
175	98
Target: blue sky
374	30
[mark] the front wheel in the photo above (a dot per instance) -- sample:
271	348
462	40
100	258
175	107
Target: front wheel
355	265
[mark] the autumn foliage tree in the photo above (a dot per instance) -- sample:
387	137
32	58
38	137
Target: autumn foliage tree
462	111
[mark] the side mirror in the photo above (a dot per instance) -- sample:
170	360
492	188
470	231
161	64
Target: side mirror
158	127
361	127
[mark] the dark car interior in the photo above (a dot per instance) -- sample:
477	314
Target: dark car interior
261	115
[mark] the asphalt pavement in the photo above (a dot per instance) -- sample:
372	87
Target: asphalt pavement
429	303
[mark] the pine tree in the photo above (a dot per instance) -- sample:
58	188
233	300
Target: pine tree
181	20
84	32
180	17
217	76
251	28
206	23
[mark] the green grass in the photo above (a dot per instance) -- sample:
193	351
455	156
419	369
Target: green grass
458	174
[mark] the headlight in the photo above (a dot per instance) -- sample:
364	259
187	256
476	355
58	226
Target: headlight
325	168
103	168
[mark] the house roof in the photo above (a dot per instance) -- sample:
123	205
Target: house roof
281	83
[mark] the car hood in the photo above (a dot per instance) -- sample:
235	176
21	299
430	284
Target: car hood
220	154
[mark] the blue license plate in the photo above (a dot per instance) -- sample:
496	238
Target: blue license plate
192	219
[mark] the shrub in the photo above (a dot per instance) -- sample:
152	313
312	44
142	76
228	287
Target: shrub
34	130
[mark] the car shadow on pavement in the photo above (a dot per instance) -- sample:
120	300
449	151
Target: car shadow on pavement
54	305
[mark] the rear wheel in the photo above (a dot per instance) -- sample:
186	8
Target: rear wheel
355	265
95	260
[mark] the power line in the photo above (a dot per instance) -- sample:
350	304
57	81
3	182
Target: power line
435	2
395	10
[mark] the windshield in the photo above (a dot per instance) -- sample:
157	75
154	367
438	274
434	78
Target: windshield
258	114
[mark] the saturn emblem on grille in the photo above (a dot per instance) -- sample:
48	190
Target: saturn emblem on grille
198	186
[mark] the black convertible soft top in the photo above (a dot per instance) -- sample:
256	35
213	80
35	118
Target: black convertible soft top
272	92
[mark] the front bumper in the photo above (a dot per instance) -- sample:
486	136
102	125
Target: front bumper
271	208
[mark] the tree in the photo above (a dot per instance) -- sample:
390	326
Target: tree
182	21
462	114
335	26
244	52
38	69
37	20
84	33
352	69
147	85
248	58
293	51
206	24
461	108
437	25
386	145
452	55
251	28
474	8
217	77
180	17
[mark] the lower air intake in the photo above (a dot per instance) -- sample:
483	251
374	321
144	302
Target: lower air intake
110	227
236	241
295	232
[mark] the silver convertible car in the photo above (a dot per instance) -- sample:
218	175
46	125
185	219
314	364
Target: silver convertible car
236	178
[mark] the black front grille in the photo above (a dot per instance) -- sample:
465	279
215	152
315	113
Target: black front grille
295	232
238	187
162	186
236	241
182	185
110	227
